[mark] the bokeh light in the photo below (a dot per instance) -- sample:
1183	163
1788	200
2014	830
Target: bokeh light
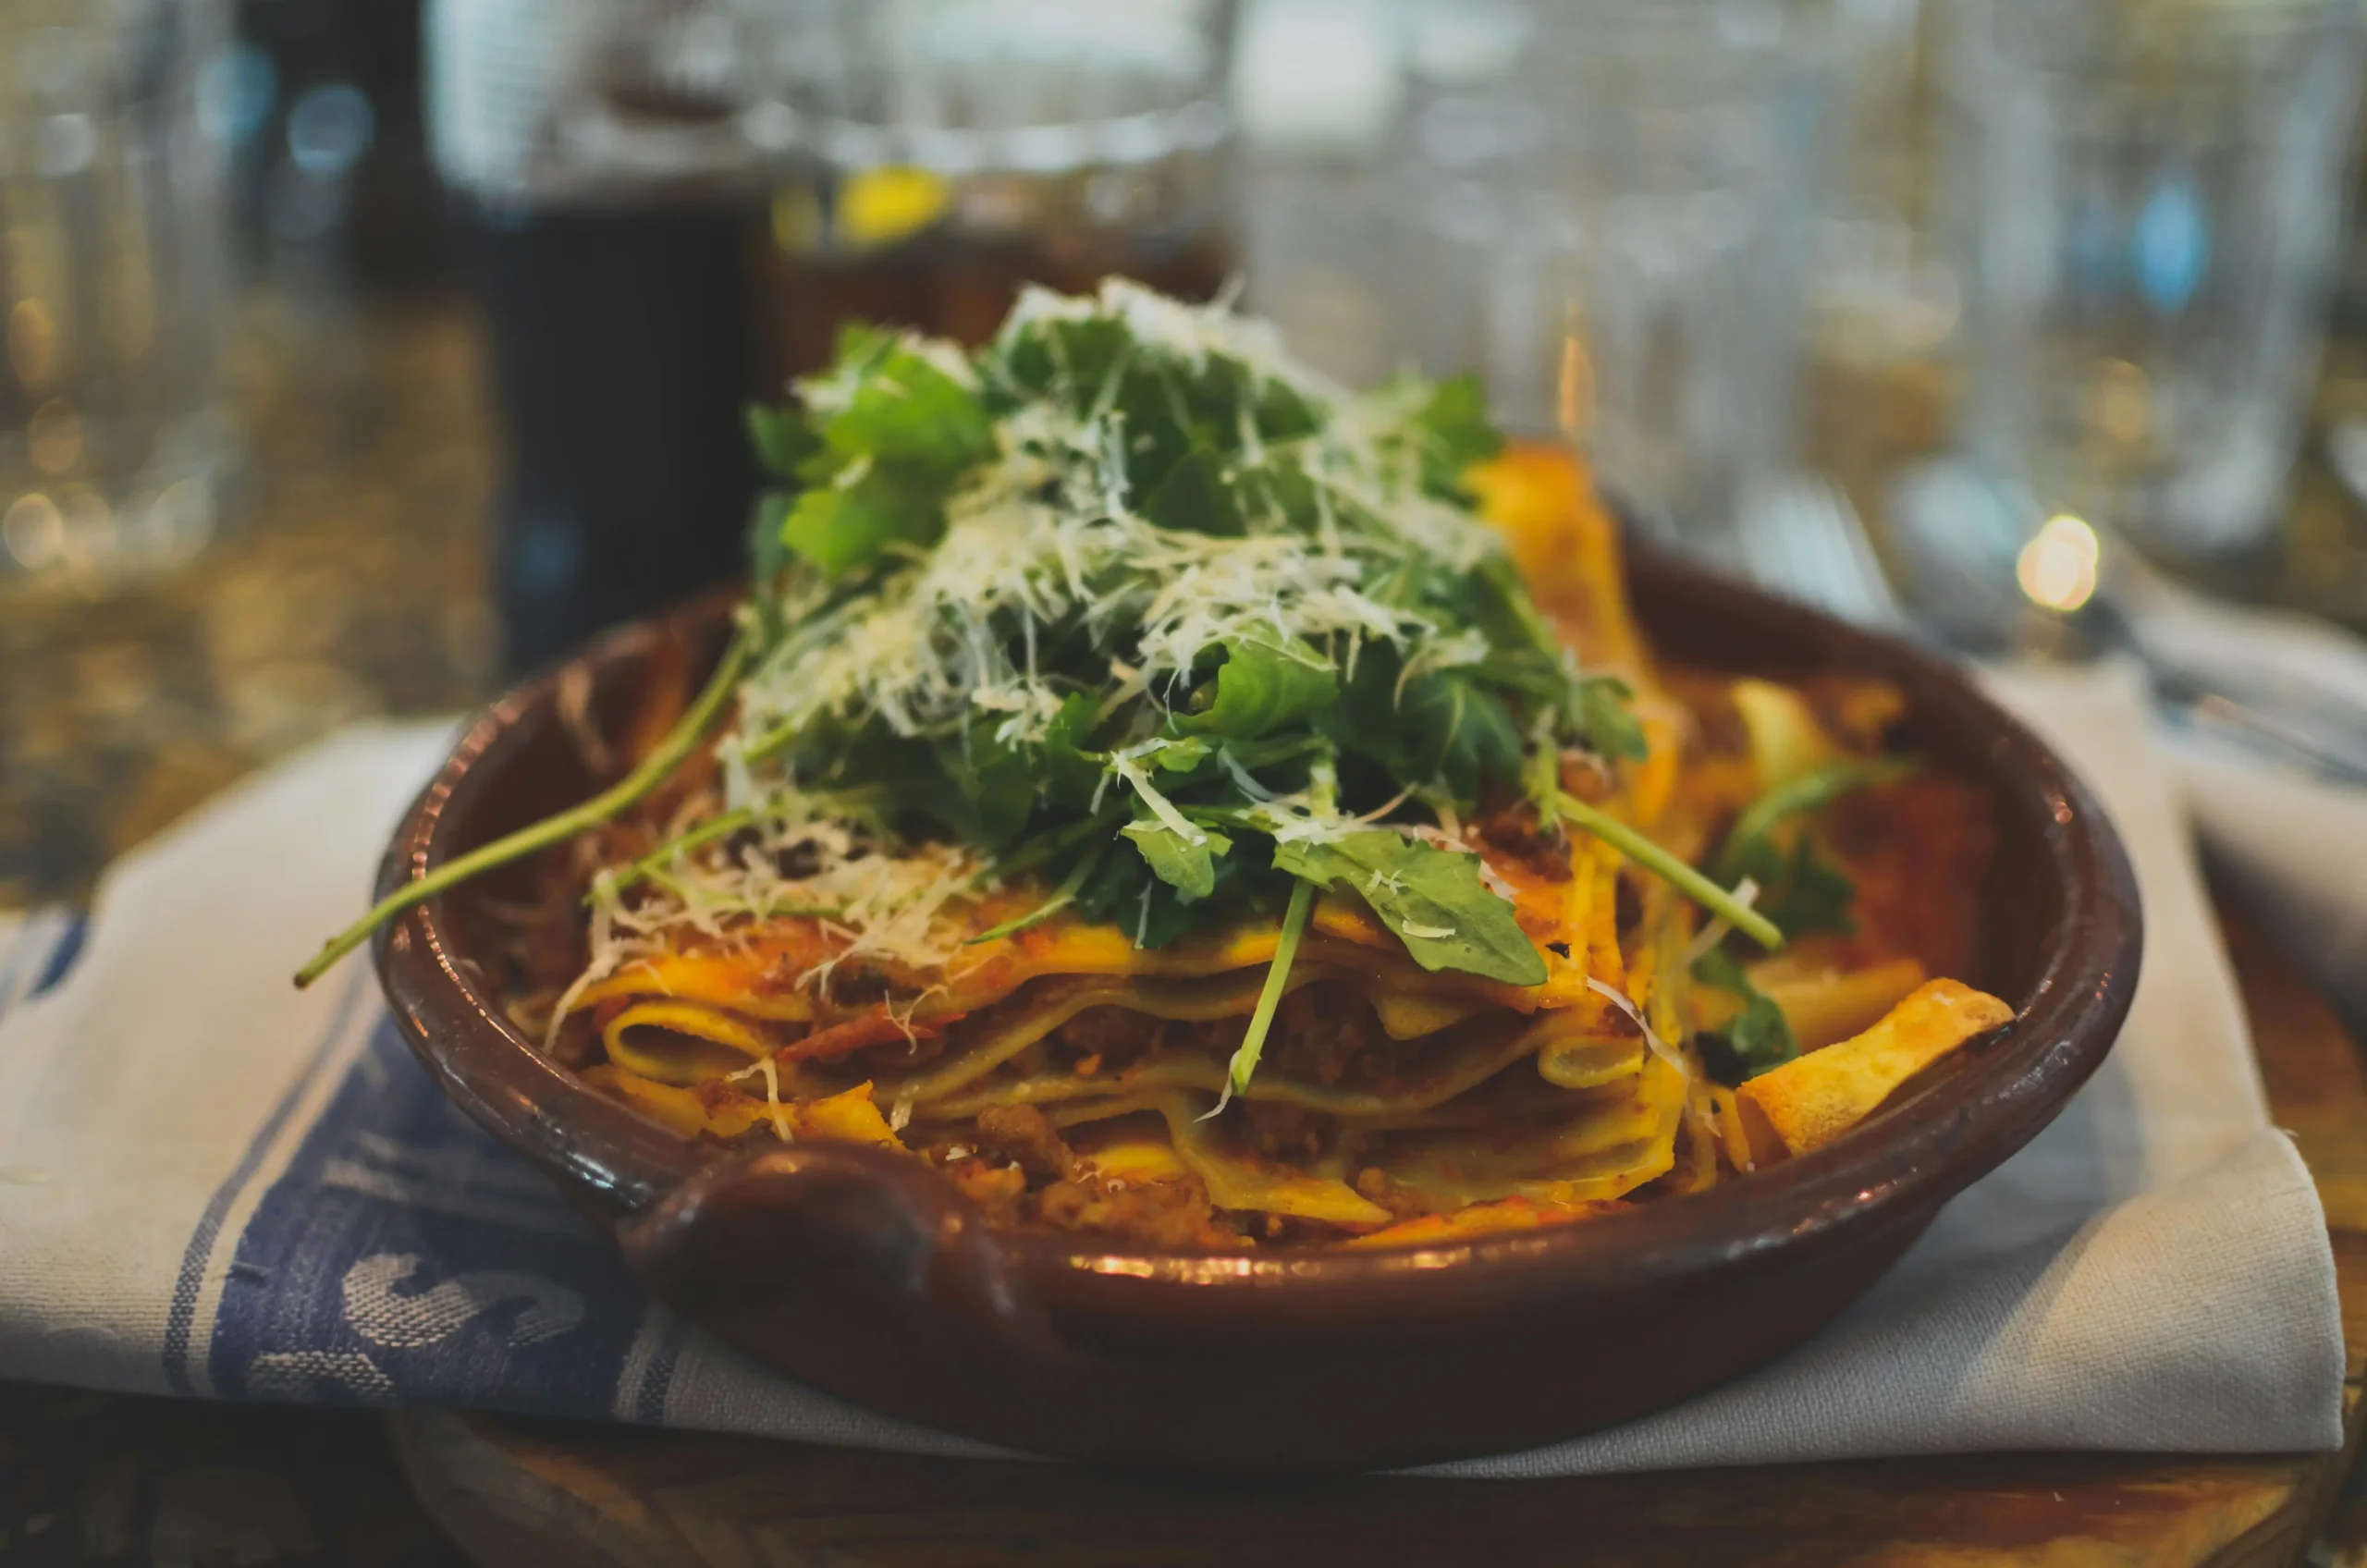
2058	568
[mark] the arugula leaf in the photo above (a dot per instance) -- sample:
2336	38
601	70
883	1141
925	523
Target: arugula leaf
1188	868
1124	892
841	527
1072	769
884	461
1812	791
907	410
1605	720
860	342
1456	433
1280	494
1803	893
1497	602
1755	1040
1431	897
1069	359
994	783
1440	727
1173	756
1462	733
1261	688
782	440
1194	495
767	553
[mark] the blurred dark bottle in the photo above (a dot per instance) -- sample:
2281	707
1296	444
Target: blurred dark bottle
672	205
330	175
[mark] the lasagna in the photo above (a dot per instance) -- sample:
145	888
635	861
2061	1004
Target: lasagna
1193	805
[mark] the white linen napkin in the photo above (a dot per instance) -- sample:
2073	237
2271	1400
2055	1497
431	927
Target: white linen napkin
210	1185
2294	852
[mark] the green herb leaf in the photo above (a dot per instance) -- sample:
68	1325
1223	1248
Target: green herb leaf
1072	769
1189	868
906	410
1757	1039
1802	892
995	783
1497	602
1195	495
1607	722
1440	727
1261	688
1431	897
1070	362
1455	434
1462	734
1172	755
768	551
1124	892
1812	791
841	527
781	438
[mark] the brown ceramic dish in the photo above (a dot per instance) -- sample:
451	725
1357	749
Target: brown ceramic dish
864	1272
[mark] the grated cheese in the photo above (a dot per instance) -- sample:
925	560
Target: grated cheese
1042	547
1041	536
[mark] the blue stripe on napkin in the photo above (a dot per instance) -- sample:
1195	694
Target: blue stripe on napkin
181	1316
62	956
404	1256
35	952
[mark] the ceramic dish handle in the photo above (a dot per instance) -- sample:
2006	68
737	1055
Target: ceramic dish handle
840	1244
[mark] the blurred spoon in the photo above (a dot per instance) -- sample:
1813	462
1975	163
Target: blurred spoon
1986	576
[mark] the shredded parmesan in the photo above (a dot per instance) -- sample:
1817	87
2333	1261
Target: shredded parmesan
1745	893
1041	535
1130	770
772	1098
1660	1047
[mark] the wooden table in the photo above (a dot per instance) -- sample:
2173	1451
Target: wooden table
522	1492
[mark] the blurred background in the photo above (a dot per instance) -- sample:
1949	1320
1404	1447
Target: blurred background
360	354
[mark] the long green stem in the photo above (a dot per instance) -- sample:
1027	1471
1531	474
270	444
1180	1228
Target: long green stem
1817	788
1670	869
1278	975
658	860
653	770
1062	896
1053	844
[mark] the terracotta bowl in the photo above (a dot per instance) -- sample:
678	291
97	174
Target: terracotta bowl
866	1273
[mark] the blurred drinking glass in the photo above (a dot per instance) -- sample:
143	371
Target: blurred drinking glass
2149	200
943	152
676	204
114	284
1606	205
1885	305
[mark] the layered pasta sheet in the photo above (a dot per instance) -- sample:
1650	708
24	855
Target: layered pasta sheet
1387	1091
1062	1074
